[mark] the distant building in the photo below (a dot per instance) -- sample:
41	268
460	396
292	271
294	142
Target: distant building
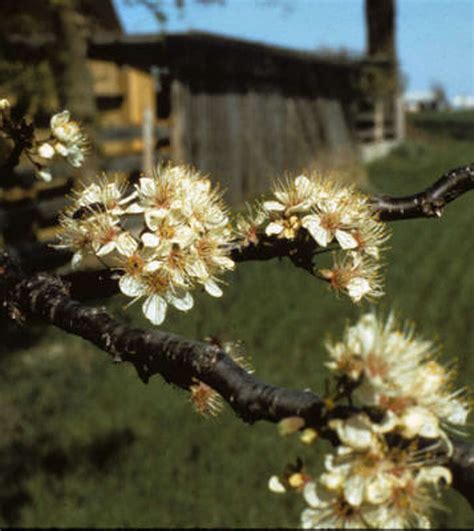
243	111
424	100
463	101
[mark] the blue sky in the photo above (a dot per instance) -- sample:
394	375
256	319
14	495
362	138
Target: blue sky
435	39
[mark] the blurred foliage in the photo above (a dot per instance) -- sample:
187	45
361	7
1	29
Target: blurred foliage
376	80
26	76
85	443
455	124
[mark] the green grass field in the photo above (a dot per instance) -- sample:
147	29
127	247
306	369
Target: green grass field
85	443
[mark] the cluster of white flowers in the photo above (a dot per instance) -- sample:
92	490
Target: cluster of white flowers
397	372
386	473
168	236
4	105
337	218
368	484
66	140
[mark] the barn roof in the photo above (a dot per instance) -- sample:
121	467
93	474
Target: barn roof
162	47
215	62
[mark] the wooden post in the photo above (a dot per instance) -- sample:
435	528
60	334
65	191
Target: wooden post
148	141
73	77
180	123
400	122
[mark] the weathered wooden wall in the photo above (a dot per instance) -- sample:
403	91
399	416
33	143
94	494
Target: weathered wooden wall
246	112
245	140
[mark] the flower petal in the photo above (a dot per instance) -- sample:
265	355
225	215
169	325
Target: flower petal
224	262
275	485
354	490
345	239
152	266
273	229
61	149
150	240
213	288
184	302
312	498
45	174
126	244
357	288
273	206
378	490
302	181
154	309
419	421
434	474
456	412
321	235
134	208
76	258
59	119
75	156
46	151
355	432
147	186
131	286
106	248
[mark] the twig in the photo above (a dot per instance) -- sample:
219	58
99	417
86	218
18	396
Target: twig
429	202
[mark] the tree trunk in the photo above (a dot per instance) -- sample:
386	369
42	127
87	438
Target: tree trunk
380	20
74	78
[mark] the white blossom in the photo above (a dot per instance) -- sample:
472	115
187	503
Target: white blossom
396	372
71	143
46	151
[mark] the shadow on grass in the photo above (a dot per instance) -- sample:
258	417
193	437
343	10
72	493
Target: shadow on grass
19	463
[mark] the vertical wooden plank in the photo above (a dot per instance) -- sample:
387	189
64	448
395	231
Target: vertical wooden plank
234	146
378	120
275	121
336	133
250	113
226	155
180	123
295	146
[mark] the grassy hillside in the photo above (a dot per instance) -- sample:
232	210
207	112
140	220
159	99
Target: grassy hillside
86	443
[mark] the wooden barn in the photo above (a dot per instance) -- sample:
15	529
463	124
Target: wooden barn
244	112
241	111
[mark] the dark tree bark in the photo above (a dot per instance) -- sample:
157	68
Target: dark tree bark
182	361
380	23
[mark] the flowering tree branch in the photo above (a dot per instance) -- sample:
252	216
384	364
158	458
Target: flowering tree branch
182	362
427	203
300	250
172	234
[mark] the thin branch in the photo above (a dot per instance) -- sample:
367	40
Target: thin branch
181	361
176	359
462	468
429	202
